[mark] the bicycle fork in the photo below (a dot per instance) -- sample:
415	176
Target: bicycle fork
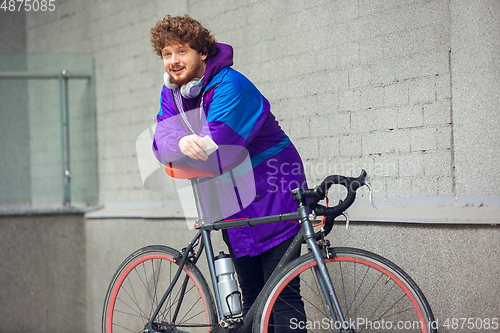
321	271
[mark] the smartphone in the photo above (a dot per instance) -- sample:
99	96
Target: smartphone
211	145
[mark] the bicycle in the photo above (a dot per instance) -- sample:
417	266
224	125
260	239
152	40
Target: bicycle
159	289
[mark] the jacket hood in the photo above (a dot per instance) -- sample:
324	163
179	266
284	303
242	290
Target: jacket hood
222	59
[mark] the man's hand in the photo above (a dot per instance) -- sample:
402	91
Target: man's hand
192	146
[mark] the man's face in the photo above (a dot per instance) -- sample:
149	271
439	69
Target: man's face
183	63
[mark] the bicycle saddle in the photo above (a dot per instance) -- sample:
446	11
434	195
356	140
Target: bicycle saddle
184	171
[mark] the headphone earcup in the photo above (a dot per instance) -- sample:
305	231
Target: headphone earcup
168	81
192	88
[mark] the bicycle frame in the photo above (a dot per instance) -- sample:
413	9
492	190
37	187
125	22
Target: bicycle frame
306	233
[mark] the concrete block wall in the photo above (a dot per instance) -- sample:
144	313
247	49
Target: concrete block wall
356	84
476	92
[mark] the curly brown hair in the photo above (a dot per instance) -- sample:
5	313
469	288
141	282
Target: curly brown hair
182	30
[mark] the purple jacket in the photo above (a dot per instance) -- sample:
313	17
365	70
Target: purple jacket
238	118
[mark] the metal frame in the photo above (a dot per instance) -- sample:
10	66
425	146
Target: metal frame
306	233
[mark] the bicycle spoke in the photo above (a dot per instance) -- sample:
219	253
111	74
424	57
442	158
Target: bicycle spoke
343	287
134	299
147	286
125	328
357	291
383	299
193	316
189	310
129	314
132	289
174	303
392	307
394	314
131	308
367	293
318	292
142	281
157	296
154	300
169	298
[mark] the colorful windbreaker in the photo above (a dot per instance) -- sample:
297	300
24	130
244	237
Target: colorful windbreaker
235	114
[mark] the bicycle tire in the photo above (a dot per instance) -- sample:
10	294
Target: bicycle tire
373	294
138	286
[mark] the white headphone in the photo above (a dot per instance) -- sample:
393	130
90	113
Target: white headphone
188	90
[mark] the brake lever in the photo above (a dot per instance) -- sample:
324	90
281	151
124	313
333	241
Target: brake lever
346	222
312	216
344	213
370	192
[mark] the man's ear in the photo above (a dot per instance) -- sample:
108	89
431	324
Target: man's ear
204	57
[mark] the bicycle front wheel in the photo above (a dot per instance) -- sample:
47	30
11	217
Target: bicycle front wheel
138	286
373	293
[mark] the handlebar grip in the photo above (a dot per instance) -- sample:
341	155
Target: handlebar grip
351	184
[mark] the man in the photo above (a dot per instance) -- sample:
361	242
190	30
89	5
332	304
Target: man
202	96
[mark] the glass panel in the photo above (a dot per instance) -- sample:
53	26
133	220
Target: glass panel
33	98
15	185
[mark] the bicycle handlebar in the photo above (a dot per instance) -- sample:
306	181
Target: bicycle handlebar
319	193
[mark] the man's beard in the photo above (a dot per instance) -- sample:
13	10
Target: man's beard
190	74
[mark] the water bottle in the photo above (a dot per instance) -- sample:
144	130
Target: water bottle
228	288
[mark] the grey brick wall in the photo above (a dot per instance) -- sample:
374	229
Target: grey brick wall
476	92
353	83
359	83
